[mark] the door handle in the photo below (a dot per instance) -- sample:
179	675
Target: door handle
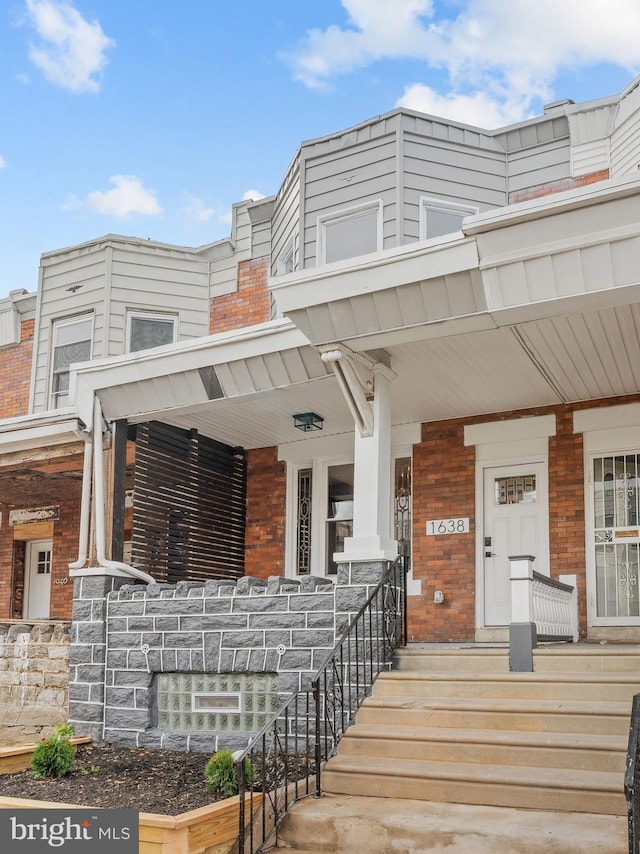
489	554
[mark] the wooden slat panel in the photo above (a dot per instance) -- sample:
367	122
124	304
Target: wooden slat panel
189	505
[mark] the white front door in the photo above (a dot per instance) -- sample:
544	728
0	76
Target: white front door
37	581
516	522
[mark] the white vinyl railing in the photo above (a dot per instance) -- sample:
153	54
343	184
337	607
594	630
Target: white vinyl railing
548	607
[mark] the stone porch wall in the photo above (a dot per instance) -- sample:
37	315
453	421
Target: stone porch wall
124	635
34	675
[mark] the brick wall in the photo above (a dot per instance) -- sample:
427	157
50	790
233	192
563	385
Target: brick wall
266	512
444	483
65	550
248	305
15	370
558	186
443	478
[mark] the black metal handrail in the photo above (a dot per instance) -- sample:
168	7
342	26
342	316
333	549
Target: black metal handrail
632	778
288	754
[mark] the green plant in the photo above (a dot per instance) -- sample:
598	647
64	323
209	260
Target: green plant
54	756
221	773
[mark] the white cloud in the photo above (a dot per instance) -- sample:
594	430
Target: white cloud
253	196
71	51
500	55
196	211
128	196
3	162
477	108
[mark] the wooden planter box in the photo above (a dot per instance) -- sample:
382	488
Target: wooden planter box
208	830
16	758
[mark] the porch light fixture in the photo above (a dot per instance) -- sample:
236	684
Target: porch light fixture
307	421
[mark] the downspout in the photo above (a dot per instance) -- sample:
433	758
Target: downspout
85	504
98	494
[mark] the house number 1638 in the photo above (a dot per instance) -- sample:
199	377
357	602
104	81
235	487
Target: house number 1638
448	526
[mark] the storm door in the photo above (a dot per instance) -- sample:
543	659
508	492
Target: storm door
616	536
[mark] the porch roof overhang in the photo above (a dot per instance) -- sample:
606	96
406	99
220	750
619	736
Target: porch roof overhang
241	388
32	432
533	305
41	458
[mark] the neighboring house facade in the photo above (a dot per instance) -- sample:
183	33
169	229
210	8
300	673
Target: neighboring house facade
428	341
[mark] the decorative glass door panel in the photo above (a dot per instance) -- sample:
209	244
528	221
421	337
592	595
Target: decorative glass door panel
616	510
339	520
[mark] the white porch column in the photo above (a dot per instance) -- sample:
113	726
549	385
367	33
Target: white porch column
372	482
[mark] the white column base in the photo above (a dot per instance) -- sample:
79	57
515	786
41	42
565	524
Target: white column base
367	548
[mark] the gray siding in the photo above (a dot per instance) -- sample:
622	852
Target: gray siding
625	139
544	164
117	275
286	216
452	173
342	179
224	256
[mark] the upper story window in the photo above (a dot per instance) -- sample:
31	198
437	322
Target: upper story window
350	232
287	260
72	340
146	330
438	217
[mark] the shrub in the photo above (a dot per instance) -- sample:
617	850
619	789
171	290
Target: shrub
54	756
221	773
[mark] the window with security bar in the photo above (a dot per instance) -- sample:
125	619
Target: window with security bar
616	515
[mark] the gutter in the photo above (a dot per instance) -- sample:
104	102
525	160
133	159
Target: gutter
94	443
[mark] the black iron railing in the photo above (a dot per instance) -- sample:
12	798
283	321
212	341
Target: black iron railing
287	756
632	778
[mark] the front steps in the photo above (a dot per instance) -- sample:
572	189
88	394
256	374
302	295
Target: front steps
454	726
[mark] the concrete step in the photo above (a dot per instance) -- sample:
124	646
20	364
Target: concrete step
345	824
553	685
452	659
599	792
579	751
562	658
497	714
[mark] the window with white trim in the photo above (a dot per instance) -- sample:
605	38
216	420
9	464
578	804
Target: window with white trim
438	217
146	330
71	342
350	232
287	259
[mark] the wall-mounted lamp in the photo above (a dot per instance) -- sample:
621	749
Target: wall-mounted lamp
307	421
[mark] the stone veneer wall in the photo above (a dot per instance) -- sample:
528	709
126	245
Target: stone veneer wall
124	635
34	673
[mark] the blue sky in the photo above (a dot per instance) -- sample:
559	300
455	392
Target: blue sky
151	117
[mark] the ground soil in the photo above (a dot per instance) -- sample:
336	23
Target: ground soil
159	781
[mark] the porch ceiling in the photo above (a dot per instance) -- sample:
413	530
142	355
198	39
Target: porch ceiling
551	361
